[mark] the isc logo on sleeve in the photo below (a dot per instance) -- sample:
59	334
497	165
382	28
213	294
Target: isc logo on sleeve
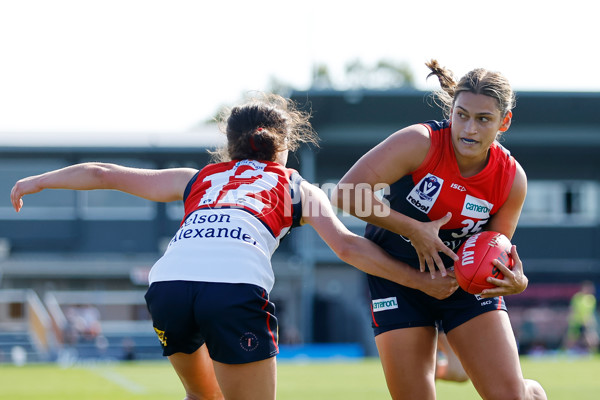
425	193
385	304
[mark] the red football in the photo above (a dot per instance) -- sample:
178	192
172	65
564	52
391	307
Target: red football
475	258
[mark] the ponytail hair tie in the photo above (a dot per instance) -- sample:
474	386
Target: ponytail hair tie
253	146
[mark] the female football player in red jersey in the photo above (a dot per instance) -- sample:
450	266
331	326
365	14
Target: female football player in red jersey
447	180
209	292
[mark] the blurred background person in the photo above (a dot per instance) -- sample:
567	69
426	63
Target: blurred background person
582	331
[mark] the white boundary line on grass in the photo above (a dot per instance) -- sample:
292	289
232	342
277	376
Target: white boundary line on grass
120	380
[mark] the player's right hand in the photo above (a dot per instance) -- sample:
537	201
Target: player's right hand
514	281
428	246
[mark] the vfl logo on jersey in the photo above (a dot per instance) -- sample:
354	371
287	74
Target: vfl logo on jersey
385	304
476	208
425	193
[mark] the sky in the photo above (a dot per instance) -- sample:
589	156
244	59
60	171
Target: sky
143	66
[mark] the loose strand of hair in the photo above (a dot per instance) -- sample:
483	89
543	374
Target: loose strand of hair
443	98
444	75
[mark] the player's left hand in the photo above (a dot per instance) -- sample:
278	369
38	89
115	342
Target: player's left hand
514	281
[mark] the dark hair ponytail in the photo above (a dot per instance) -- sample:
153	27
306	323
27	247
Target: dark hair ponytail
255	143
262	127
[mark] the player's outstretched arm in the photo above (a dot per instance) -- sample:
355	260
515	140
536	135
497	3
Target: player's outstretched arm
362	253
156	185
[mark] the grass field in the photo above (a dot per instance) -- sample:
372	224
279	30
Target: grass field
563	378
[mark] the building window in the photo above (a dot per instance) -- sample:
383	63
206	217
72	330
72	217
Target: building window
565	203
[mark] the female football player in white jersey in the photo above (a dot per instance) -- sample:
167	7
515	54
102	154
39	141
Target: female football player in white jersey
209	292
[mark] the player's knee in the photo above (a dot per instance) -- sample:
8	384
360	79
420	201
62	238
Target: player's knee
527	389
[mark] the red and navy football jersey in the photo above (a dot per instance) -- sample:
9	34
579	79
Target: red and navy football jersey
437	187
267	190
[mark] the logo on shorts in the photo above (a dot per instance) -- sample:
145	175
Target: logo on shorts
425	193
385	304
161	336
249	341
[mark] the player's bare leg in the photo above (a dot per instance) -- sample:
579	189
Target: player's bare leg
488	337
252	381
408	360
197	375
449	368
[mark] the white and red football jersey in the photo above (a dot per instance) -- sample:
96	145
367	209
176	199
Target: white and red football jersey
235	216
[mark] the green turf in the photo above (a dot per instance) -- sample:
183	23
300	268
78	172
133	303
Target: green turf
563	378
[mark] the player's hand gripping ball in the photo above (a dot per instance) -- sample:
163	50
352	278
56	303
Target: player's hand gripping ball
475	258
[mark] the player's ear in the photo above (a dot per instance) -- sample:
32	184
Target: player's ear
506	122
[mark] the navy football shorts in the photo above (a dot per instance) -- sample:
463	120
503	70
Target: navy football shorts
395	306
235	320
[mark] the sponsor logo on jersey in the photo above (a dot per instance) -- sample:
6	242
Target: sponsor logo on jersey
253	163
385	304
458	187
476	208
425	193
197	226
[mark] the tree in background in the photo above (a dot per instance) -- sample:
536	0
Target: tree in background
383	75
